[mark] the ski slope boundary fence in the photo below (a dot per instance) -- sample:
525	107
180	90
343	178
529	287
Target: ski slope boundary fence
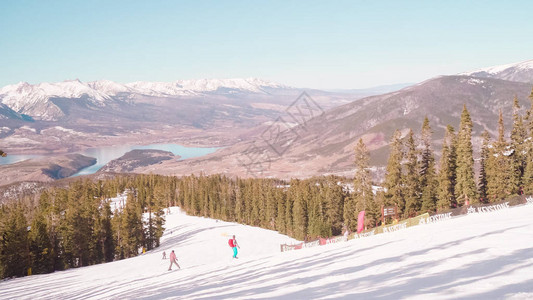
418	220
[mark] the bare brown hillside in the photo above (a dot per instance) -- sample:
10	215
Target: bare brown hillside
324	143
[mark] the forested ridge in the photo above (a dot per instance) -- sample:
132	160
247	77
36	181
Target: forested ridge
76	226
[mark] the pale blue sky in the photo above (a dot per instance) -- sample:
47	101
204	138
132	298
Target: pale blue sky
318	44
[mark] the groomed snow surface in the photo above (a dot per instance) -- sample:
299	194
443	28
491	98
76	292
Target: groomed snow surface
480	256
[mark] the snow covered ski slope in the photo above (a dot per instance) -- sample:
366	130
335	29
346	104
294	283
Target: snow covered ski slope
480	256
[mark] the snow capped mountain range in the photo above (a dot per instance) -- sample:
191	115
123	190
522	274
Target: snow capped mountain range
34	100
521	72
46	101
24	95
195	87
102	90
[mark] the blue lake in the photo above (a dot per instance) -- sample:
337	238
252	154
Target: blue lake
104	155
11	159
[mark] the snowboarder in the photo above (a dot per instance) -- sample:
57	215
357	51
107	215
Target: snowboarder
164	255
233	244
173	260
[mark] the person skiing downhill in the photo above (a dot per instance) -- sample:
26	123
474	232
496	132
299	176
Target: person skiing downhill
234	245
173	260
346	233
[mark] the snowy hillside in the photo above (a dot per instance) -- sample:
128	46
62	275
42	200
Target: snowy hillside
521	72
479	256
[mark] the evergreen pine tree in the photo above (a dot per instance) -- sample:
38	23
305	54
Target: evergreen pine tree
280	218
299	193
518	147
270	206
446	177
335	196
50	210
289	202
239	205
14	246
527	179
132	232
393	178
413	202
257	211
483	167
499	167
528	174
2	229
428	177
349	211
465	186
362	197
42	260
76	228
529	114
316	212
106	233
119	235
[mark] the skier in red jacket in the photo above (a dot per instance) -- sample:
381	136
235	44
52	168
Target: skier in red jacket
173	260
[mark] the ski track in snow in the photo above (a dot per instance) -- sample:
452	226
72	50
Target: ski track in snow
480	256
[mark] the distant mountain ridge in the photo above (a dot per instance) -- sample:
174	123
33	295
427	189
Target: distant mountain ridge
520	72
46	101
35	100
324	144
102	89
